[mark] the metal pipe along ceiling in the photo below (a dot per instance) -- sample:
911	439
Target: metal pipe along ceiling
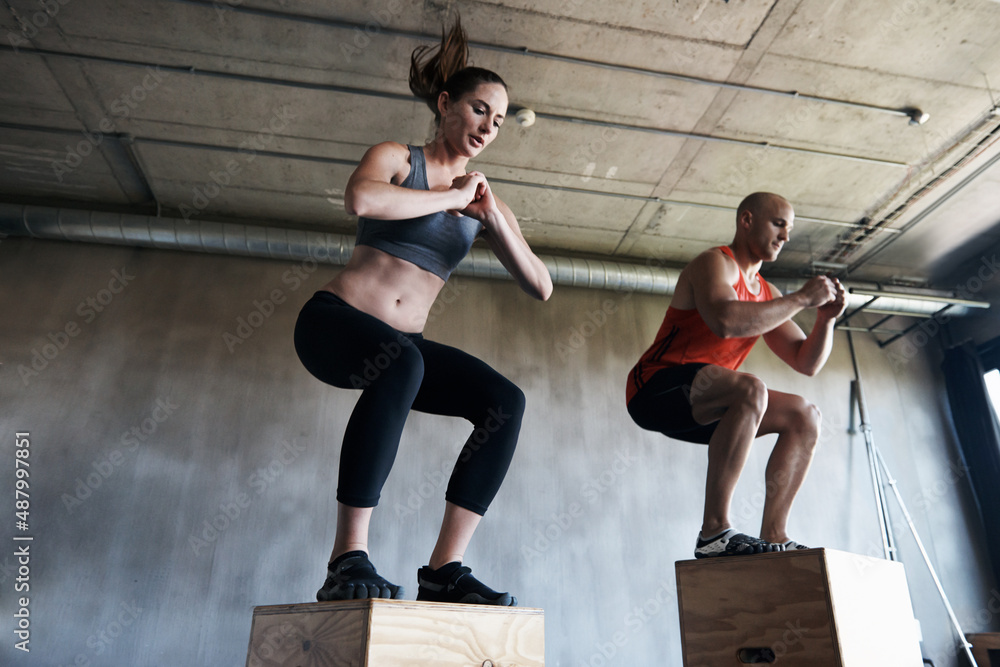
304	246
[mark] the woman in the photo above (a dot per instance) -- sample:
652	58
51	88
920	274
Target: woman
419	212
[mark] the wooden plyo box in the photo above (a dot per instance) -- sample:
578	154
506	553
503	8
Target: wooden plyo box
982	644
396	633
808	608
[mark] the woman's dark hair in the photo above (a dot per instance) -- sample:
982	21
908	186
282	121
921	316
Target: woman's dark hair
442	68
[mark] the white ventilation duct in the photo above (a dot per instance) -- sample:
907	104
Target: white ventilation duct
297	245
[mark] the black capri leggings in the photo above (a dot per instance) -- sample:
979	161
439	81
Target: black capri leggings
397	372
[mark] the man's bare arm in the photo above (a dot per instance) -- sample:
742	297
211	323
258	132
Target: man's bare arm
711	276
808	354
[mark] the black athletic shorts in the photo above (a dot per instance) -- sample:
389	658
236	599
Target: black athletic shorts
663	404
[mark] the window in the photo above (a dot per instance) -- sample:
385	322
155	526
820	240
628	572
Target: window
993	388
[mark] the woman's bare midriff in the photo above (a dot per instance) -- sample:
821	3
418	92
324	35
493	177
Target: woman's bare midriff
395	291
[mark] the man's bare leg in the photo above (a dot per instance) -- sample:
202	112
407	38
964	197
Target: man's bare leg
797	423
740	400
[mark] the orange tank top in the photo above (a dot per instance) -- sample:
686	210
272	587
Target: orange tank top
684	338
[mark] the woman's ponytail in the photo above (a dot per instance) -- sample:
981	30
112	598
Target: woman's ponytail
443	68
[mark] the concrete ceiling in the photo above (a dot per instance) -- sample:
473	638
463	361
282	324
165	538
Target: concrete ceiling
257	110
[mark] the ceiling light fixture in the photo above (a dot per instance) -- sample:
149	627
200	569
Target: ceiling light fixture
917	117
820	266
951	301
525	117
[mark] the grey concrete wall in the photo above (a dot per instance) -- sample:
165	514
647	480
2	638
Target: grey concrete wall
180	478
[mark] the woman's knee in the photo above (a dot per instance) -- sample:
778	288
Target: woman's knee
503	407
495	391
513	397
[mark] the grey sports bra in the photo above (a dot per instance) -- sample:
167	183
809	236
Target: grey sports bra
435	242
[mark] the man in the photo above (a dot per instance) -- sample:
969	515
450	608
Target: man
687	385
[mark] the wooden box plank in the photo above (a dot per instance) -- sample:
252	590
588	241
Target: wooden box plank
814	608
982	644
872	610
403	633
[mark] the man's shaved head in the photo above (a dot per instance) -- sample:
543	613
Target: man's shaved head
759	203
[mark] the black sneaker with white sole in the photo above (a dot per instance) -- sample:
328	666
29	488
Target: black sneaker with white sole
733	543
